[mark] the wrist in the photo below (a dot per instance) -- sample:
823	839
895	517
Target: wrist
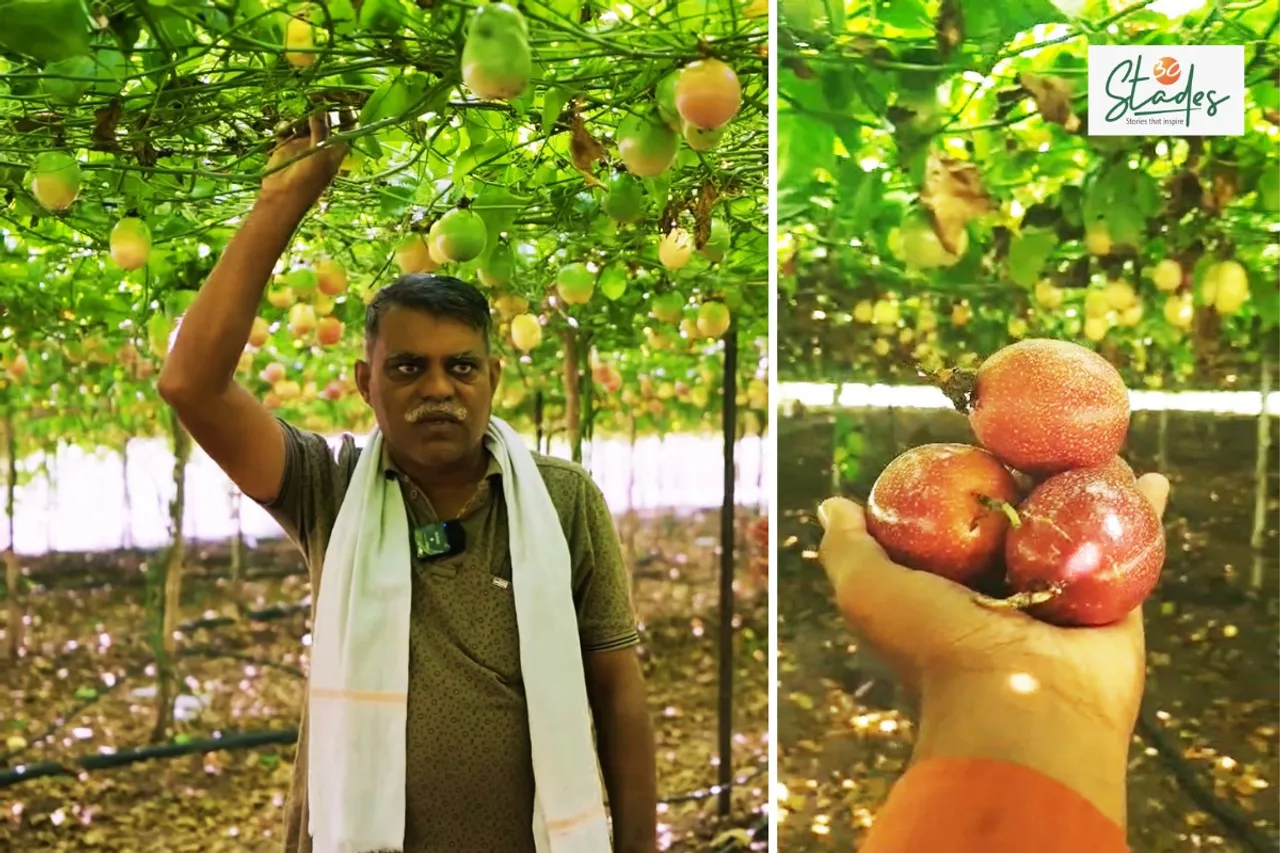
282	204
983	717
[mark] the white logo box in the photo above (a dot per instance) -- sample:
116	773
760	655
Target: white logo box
1166	90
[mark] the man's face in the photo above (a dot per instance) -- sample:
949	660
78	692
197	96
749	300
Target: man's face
431	385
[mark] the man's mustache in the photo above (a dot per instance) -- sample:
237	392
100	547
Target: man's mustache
432	411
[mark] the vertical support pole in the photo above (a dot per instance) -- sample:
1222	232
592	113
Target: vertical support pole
727	542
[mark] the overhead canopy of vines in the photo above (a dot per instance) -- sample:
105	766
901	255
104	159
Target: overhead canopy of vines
940	197
165	114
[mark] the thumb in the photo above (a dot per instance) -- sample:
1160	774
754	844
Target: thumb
891	606
846	543
1156	489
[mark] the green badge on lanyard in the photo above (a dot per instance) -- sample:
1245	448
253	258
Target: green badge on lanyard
439	539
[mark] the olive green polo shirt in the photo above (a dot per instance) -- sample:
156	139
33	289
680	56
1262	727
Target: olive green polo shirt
469	780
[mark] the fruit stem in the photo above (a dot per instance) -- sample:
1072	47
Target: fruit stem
464	203
1003	506
1019	600
958	384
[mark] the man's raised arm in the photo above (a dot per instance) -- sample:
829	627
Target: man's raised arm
198	379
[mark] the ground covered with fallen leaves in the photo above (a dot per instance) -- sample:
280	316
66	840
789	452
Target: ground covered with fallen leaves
86	687
1203	765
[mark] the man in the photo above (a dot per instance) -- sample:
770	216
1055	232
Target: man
428	374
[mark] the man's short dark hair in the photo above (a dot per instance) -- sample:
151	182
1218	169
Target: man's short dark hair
438	295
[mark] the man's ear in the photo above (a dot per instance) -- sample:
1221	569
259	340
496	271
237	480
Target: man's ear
363	371
495	375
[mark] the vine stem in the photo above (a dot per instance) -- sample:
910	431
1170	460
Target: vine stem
958	384
1003	506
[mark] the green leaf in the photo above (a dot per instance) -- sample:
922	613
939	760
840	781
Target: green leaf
991	25
109	68
177	302
552	106
171	30
1124	199
835	16
1266	302
837	87
202	188
805	144
379	16
911	16
566	9
486	154
1266	95
394	200
498	208
859	198
393	98
1028	253
799	15
58	79
45	30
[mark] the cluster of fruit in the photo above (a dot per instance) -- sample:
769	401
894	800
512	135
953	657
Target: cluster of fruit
1044	511
695	102
55	179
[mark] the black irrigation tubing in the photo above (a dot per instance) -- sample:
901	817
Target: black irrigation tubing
211	652
1234	820
233	741
267	614
23	773
189	627
50	581
47	585
246	740
196	651
64	719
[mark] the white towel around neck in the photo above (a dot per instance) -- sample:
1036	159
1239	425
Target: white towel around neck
360	665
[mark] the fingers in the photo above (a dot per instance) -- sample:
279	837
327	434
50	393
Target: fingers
1134	625
319	124
320	129
846	545
1156	489
888	604
289	149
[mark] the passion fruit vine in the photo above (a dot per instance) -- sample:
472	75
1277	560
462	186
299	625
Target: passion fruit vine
1084	547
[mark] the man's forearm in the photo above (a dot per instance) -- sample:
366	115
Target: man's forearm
626	745
217	325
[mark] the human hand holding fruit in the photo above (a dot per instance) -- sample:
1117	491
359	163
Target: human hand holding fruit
995	683
1045	513
303	181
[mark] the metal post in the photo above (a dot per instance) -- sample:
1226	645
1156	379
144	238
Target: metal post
537	422
727	540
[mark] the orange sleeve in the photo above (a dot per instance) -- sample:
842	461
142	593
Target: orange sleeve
971	805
